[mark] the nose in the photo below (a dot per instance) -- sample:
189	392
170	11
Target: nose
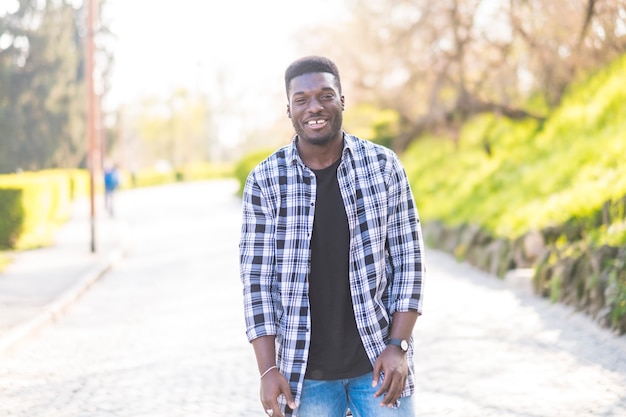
315	106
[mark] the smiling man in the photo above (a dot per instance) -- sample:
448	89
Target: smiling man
331	261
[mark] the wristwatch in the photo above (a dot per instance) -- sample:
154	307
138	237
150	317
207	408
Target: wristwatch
401	343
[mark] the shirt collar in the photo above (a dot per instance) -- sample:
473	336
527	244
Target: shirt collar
349	143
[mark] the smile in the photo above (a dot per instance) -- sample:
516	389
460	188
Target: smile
316	122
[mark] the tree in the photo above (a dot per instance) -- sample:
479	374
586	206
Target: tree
564	39
42	95
439	63
177	129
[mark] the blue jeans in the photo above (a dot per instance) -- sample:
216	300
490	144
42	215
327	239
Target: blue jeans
333	398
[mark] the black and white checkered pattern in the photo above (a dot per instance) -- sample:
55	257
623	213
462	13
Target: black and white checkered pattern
386	249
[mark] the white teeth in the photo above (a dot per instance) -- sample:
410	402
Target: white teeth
313	122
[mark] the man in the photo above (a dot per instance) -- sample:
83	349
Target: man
111	182
331	263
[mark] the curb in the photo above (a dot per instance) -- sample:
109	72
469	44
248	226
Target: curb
57	308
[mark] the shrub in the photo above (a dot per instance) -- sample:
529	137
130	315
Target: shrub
247	164
33	204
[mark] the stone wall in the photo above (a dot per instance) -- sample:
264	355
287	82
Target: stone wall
592	280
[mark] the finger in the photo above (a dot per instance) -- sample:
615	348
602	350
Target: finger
286	390
376	373
388	387
270	405
273	410
394	392
390	397
384	387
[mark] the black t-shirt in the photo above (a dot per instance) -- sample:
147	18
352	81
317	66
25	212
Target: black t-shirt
336	351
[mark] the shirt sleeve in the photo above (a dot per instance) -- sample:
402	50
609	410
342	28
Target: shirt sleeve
257	261
405	245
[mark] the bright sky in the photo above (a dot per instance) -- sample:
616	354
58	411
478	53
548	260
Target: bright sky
162	45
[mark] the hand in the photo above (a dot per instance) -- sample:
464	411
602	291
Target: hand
393	364
272	385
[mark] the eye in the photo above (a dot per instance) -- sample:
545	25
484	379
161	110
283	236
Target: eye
327	97
299	100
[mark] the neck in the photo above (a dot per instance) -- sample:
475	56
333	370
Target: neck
320	156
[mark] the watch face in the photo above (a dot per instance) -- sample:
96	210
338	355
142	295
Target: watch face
401	343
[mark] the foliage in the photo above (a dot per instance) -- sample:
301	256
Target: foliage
617	281
438	64
150	177
368	122
5	260
205	170
42	84
79	182
563	180
177	129
11	213
190	172
32	205
42	94
512	177
247	164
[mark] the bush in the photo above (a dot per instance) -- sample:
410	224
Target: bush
33	204
151	177
563	179
511	177
369	122
206	171
11	215
247	164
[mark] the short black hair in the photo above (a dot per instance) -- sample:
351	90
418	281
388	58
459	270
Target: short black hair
309	64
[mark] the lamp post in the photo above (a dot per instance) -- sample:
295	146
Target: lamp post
92	117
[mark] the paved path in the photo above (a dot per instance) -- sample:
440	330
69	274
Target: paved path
39	284
162	334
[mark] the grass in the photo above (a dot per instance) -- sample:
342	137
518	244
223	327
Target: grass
537	175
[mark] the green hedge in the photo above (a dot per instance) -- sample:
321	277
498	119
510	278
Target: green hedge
247	164
11	215
204	171
149	178
79	182
33	204
192	172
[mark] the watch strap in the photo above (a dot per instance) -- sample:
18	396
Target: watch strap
401	343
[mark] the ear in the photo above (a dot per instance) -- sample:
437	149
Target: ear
288	111
343	103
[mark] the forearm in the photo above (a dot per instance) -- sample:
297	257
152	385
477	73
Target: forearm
402	324
406	250
392	361
265	352
257	264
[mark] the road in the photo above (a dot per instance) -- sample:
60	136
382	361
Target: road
162	335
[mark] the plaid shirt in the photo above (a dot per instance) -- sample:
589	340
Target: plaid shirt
386	265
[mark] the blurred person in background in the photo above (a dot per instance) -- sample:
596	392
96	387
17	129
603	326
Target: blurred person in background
111	183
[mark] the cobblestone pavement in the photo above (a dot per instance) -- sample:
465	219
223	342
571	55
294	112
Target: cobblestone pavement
162	335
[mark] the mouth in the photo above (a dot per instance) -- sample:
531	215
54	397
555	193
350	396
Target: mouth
316	123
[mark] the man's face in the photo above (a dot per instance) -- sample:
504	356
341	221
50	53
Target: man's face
315	108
